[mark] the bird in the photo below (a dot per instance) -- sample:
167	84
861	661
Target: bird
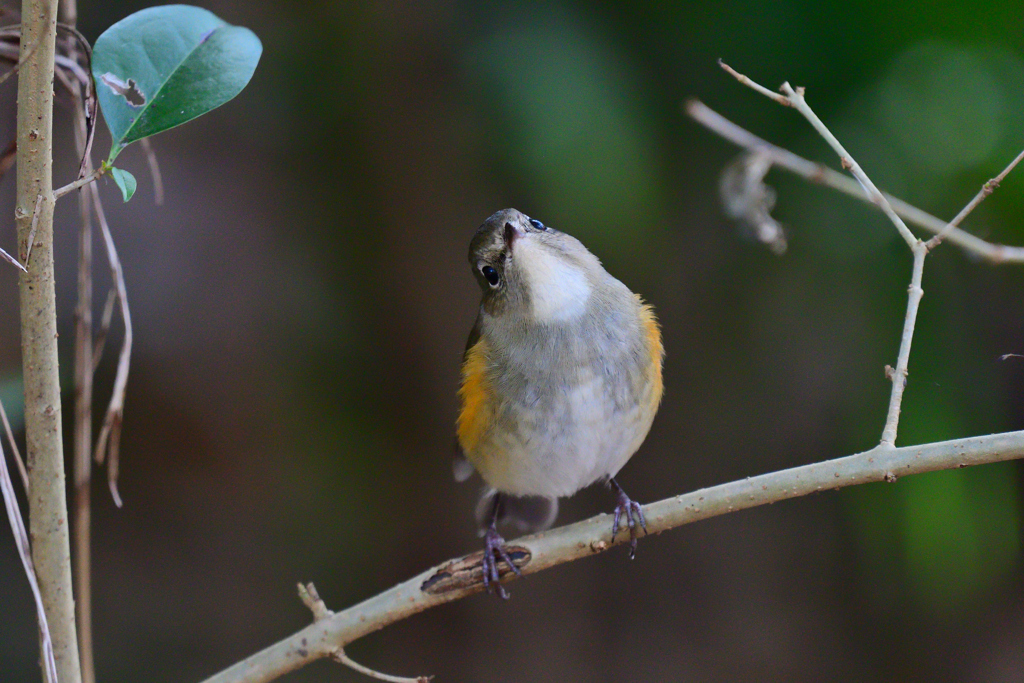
561	380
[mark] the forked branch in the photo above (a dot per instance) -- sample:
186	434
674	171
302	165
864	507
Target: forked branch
461	577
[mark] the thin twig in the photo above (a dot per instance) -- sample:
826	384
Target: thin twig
84	369
32	231
13	261
986	189
14	449
25	553
796	100
461	577
917	247
101	335
754	86
823	175
154	171
899	374
85	180
311	599
343	658
108	442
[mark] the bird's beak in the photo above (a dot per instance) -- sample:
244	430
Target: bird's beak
511	233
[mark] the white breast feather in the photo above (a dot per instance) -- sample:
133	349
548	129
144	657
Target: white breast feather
558	290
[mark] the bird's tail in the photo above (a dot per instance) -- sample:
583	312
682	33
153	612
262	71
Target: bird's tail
527	514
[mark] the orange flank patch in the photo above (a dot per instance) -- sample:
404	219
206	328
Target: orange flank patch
476	414
652	334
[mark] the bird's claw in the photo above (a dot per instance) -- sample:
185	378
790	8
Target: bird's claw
494	552
634	516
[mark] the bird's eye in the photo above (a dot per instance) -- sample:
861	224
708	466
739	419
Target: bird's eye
491	275
537	224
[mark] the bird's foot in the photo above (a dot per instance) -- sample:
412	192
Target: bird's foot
494	552
633	514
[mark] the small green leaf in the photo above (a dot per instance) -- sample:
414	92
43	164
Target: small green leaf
125	181
163	66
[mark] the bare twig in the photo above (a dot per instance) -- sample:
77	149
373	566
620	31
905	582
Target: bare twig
899	374
754	86
108	442
32	231
13	261
823	175
154	171
342	658
311	599
84	369
795	98
101	335
461	577
85	180
14	448
917	247
986	189
25	553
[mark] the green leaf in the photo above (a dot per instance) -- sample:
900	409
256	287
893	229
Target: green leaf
163	66
125	181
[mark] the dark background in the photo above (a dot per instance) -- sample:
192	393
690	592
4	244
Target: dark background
302	299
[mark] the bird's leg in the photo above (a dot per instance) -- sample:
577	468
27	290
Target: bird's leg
494	551
633	513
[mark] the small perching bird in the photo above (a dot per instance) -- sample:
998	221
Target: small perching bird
561	379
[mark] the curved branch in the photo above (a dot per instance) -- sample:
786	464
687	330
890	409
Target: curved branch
823	175
461	577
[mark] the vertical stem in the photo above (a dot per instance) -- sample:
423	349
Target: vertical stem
48	515
83	440
82	467
899	374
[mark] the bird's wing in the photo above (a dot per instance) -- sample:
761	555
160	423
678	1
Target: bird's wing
462	468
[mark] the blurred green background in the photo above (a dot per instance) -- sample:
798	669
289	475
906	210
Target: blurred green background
302	299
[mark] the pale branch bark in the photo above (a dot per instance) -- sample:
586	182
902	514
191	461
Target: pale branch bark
85	180
48	514
917	247
82	457
823	175
331	632
797	101
986	189
461	577
795	98
311	599
898	375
